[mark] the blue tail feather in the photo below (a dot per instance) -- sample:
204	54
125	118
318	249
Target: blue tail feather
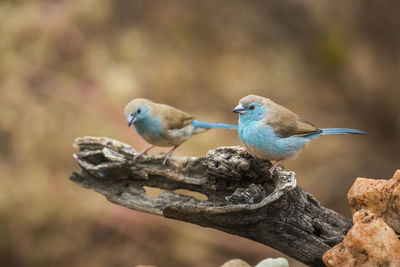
210	125
327	131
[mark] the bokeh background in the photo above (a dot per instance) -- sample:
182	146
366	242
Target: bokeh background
67	69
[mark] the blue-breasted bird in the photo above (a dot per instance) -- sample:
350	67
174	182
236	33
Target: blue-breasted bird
272	132
163	125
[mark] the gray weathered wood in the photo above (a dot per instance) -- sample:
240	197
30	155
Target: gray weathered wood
242	197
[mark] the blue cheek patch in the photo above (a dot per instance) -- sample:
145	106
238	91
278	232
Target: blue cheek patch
253	115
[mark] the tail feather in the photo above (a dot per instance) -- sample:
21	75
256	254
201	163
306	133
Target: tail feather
210	125
327	131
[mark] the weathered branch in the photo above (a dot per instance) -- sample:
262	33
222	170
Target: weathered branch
242	197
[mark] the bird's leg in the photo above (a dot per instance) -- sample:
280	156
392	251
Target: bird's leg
143	152
274	166
169	154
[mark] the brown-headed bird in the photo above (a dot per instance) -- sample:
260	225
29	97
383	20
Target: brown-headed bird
163	125
272	132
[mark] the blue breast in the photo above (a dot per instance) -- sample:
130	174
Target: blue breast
263	138
150	127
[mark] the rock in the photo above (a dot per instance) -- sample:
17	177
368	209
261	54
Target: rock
236	263
381	197
370	242
273	262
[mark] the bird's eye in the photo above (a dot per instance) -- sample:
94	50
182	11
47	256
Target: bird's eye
139	110
251	107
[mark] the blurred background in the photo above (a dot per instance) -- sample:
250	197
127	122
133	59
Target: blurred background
68	68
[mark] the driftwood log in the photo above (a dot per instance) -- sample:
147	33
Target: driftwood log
242	197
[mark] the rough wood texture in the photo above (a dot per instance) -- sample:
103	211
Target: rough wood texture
242	197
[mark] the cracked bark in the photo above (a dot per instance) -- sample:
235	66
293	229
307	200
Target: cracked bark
242	197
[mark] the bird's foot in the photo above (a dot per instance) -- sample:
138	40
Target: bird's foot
165	160
138	156
274	166
169	154
247	153
167	157
143	152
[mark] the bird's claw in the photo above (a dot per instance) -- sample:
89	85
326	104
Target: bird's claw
277	164
137	156
143	152
169	154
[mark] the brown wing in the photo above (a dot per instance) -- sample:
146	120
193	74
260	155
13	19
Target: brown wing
285	122
305	127
174	118
294	127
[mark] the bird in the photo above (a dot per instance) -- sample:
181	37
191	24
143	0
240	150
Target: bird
163	125
270	131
